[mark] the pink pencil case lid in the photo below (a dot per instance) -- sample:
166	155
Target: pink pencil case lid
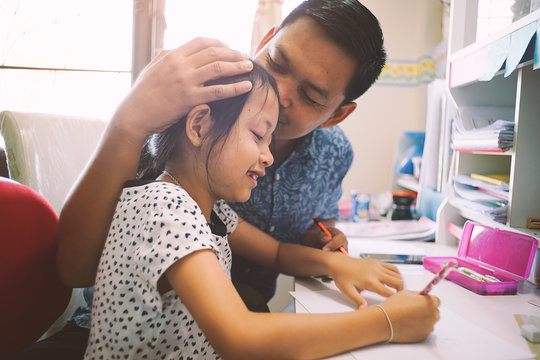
504	254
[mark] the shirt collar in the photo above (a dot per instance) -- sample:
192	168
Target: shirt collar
217	226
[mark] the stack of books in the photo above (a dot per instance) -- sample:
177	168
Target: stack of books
496	137
484	193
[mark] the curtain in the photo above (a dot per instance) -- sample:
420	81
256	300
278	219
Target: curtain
148	29
268	14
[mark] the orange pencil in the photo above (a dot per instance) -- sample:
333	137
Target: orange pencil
325	230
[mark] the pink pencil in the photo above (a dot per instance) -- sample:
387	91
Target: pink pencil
439	276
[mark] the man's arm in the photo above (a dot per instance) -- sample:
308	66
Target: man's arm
335	157
168	87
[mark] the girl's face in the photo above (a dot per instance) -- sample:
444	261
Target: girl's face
245	154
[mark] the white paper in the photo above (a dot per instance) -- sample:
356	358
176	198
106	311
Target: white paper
359	246
389	230
453	337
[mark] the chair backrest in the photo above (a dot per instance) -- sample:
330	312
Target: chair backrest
33	296
48	152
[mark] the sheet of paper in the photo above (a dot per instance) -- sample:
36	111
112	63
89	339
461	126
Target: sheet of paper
356	247
453	338
537	47
498	52
518	44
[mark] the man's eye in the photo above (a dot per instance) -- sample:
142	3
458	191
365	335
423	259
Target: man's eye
306	97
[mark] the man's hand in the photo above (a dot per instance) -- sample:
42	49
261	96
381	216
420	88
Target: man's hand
316	238
175	81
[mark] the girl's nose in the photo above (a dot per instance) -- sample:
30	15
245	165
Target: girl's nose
266	157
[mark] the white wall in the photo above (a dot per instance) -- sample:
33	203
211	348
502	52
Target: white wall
412	28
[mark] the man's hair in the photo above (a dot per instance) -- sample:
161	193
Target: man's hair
353	28
161	147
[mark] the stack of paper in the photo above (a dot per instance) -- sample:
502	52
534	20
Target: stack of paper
499	136
481	196
419	230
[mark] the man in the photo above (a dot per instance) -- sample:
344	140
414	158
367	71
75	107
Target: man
324	55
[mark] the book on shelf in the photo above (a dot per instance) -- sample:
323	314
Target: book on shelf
500	190
494	179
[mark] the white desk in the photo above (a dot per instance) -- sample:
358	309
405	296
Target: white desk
493	313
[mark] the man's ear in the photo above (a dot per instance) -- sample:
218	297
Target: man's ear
198	122
339	115
270	34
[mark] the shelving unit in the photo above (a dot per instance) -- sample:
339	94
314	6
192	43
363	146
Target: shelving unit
468	64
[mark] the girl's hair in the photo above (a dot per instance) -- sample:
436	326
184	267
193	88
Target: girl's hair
160	147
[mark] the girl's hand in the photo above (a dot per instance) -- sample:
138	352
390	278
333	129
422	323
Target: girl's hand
413	316
173	83
352	276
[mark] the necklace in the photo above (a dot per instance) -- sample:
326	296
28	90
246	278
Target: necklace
172	177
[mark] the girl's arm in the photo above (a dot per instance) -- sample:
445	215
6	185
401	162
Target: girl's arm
350	275
168	87
237	333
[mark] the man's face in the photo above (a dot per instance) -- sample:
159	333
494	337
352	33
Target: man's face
311	72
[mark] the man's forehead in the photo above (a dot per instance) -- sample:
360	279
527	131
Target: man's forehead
314	56
313	81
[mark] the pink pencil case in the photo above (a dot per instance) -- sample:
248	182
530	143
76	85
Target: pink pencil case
505	255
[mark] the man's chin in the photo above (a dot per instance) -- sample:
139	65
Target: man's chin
284	136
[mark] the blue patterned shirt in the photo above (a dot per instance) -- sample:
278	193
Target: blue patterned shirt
282	205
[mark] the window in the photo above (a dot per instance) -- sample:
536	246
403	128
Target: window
75	56
228	21
65	56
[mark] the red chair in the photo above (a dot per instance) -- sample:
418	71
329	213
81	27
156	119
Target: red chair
33	296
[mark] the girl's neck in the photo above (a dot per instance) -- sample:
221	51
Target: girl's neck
187	179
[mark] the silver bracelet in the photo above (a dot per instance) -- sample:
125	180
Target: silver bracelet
389	324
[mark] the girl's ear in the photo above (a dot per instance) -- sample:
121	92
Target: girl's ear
198	122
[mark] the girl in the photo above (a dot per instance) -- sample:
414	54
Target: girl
163	289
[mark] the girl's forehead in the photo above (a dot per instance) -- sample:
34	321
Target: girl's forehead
262	105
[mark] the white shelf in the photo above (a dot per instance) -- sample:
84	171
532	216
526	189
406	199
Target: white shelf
408	182
518	91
